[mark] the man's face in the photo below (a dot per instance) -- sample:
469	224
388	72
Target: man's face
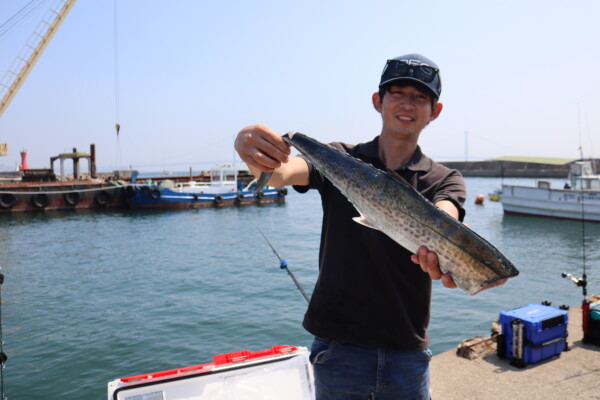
405	110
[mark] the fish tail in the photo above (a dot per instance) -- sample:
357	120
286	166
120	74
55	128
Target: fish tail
262	181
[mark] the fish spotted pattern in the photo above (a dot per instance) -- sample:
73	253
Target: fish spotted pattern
389	204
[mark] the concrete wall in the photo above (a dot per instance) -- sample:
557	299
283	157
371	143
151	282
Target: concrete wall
513	169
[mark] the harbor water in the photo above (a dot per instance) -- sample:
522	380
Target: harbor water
90	297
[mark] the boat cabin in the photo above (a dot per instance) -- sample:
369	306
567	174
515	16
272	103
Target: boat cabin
583	177
223	179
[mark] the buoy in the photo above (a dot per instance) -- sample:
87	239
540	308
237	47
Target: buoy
479	199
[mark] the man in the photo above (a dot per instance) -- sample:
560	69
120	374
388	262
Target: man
370	307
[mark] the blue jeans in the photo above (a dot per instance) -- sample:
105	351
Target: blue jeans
350	372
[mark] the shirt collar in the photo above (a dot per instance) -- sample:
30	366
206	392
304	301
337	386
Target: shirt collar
418	162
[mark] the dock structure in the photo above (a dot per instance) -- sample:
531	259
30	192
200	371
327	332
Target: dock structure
575	374
76	156
516	167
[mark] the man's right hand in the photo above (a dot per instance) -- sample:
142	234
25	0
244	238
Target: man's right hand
261	148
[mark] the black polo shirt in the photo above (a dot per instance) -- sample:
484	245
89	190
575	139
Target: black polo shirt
368	291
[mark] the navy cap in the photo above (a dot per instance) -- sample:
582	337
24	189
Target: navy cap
416	68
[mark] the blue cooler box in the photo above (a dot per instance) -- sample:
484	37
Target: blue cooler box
533	333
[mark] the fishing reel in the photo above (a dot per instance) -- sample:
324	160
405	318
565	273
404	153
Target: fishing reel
580	282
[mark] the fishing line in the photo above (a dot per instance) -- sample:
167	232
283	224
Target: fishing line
583	281
584	277
581	188
284	265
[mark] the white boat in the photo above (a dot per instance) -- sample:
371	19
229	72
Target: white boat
579	199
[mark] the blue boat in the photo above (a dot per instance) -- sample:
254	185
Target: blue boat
222	189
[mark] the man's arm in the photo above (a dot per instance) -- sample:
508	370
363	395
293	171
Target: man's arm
264	150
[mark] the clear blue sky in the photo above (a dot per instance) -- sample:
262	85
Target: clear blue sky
192	73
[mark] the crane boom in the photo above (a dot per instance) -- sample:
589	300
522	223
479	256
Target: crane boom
31	52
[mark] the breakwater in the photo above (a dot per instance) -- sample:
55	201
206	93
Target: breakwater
512	169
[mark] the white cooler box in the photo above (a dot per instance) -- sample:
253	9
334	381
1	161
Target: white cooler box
281	372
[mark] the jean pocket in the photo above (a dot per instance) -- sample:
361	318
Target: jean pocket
428	354
320	350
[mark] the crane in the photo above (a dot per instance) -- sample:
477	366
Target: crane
30	54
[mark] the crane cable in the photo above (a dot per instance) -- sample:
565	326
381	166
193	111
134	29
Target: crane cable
119	160
10	24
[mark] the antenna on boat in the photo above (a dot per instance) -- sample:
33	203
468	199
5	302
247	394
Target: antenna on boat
579	128
284	265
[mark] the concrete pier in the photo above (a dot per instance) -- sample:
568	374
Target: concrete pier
575	374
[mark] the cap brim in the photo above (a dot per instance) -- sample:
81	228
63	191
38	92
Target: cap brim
418	82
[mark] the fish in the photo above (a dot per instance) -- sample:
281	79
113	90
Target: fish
388	203
262	181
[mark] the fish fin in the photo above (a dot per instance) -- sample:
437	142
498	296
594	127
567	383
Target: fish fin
363	221
403	181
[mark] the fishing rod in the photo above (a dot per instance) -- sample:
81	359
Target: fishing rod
582	282
3	356
284	265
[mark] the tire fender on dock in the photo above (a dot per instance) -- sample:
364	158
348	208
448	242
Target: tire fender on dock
146	191
218	199
72	198
130	191
103	197
40	200
7	200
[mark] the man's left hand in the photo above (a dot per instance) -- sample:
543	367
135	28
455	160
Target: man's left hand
428	261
